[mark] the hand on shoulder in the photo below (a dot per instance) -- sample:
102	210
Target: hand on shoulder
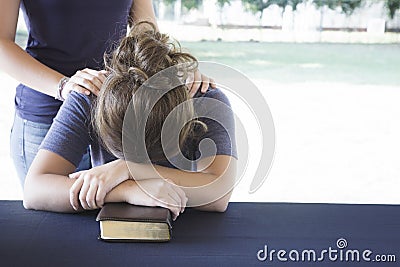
85	81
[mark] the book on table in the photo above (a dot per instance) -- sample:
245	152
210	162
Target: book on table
126	222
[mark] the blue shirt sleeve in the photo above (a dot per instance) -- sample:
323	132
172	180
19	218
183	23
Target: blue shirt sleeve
69	135
218	116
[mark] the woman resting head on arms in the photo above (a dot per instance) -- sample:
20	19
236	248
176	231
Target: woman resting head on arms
123	172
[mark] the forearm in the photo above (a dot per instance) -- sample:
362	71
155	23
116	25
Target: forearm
208	189
48	192
179	177
24	68
142	10
51	192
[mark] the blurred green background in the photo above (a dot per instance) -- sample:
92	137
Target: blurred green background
374	64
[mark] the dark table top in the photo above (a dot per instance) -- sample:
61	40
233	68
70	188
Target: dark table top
339	235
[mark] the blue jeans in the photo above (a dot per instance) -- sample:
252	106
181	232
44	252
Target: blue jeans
26	137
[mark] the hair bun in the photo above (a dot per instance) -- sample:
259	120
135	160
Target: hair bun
138	75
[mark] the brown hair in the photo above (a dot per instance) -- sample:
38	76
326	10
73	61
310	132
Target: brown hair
144	52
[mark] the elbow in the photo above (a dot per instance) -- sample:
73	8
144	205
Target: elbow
216	207
29	197
27	204
221	208
32	202
220	205
28	200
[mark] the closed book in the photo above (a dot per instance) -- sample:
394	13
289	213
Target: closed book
126	222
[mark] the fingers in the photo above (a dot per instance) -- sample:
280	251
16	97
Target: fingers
100	75
74	193
189	81
205	83
159	192
92	186
74	87
100	195
180	195
212	83
91	196
169	203
197	81
176	203
75	175
175	198
86	81
83	193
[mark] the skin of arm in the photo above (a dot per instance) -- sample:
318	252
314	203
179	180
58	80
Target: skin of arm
44	79
142	10
208	189
34	74
47	184
47	187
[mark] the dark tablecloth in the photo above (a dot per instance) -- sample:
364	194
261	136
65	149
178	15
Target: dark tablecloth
233	238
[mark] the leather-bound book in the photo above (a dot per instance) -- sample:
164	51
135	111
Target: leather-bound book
130	223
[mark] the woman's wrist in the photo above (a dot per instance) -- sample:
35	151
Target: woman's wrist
128	191
60	88
123	166
121	193
129	168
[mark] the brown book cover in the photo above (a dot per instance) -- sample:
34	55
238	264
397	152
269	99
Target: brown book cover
131	223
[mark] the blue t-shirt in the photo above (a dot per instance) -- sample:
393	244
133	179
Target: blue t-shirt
71	132
67	35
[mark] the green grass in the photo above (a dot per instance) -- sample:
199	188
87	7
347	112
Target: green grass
285	62
373	64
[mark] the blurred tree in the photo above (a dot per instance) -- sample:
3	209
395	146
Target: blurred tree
295	3
191	4
392	6
259	5
256	6
188	4
292	3
332	4
347	6
169	2
222	3
282	4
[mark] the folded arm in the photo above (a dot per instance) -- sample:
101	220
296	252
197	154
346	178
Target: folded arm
207	189
48	187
